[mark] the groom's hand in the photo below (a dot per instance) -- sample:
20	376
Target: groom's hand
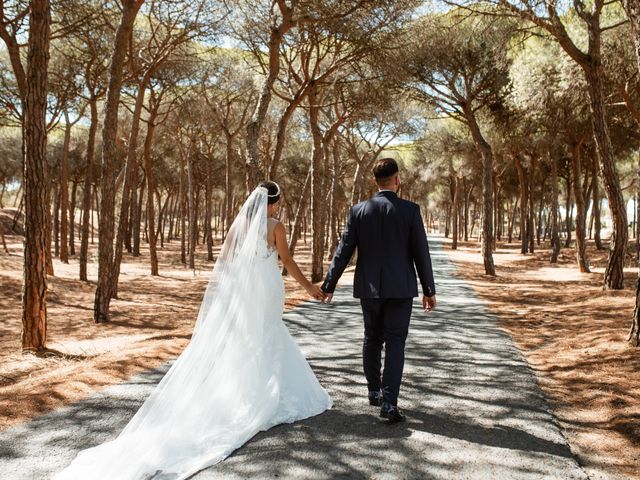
428	303
327	297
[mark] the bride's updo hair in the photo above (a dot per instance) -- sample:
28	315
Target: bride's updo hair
273	190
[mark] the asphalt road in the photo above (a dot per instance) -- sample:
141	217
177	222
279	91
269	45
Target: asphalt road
474	409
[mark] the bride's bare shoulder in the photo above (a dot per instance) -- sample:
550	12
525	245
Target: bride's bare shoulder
274	222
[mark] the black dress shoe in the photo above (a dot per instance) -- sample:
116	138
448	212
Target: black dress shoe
392	413
375	398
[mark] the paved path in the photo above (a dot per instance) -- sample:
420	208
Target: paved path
473	406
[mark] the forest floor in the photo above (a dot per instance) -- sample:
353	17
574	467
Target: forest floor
151	322
573	334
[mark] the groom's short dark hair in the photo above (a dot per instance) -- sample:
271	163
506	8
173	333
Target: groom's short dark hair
384	169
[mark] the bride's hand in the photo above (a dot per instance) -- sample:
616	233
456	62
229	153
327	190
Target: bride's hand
315	291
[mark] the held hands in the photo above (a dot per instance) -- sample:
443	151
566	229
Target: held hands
316	292
428	303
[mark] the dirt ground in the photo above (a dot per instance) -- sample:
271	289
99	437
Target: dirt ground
151	323
573	333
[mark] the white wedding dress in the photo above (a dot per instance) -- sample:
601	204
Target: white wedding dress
240	374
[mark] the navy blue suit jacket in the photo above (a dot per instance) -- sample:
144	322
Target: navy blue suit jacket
389	235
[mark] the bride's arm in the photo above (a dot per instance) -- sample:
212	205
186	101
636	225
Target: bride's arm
290	264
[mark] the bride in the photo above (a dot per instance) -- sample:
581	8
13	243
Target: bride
240	374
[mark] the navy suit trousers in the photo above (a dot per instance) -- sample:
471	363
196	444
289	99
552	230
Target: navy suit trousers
386	323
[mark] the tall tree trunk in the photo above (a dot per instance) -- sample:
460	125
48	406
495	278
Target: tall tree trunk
183	213
522	189
531	208
137	222
34	285
569	212
581	247
540	210
193	219
47	254
281	135
148	167
133	202
484	149
512	219
335	235
597	227
356	183
496	211
454	213
109	159
87	211
228	189
64	191
613	275
208	212
316	188
4	242
300	215
467	195
72	218
125	204
56	222
555	193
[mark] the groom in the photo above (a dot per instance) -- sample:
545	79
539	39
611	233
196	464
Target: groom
389	235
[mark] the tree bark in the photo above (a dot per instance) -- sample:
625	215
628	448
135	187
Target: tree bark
531	208
87	211
484	149
56	222
72	218
64	191
183	213
540	210
151	225
47	254
137	221
522	189
569	212
335	235
555	236
34	285
208	212
4	242
316	188
228	189
125	204
581	248
455	213
300	215
512	219
109	159
193	219
467	195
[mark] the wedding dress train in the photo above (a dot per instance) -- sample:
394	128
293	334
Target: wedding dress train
240	374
